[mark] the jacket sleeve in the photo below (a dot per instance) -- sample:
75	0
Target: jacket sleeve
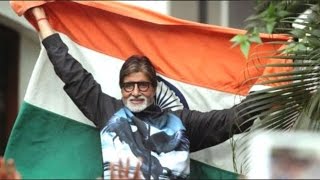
80	85
206	129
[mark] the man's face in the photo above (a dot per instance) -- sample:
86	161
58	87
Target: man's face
137	92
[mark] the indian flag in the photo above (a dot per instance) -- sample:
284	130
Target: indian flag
196	65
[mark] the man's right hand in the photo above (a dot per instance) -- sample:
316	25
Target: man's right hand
38	13
45	29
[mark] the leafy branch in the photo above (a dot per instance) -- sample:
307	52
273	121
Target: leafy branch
295	104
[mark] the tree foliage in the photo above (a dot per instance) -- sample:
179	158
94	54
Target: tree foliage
295	104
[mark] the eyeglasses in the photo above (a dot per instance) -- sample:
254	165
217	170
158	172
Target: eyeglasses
142	86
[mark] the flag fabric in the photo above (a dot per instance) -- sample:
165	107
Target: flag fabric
196	65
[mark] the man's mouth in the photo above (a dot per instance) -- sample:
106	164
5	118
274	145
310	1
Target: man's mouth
137	101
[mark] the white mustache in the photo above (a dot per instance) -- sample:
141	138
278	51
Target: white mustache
139	97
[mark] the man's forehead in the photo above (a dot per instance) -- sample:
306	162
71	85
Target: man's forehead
135	77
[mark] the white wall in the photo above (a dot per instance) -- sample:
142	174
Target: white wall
159	6
187	10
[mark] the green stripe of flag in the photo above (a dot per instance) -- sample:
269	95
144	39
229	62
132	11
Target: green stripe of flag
199	170
47	145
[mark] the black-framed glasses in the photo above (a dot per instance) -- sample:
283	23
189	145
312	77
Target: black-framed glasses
142	86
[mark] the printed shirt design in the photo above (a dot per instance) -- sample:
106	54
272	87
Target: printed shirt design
160	142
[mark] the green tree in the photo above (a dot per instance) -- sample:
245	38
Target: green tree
295	105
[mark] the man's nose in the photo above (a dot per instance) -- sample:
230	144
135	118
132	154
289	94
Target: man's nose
136	91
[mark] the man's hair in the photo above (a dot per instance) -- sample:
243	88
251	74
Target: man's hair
136	64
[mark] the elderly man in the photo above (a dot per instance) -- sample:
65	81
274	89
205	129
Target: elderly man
135	127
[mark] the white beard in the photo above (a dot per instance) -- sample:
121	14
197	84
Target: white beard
137	108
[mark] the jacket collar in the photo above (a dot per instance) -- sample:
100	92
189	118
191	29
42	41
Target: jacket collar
151	111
